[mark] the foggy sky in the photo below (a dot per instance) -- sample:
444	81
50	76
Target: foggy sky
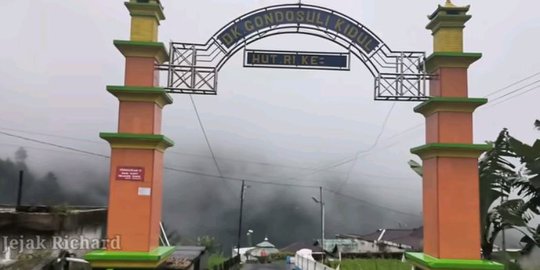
57	57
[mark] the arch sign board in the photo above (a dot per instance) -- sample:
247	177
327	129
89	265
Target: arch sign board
193	68
299	15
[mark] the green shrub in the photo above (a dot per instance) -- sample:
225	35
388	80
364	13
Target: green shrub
372	264
215	260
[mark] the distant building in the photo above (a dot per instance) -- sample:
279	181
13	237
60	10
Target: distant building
348	246
382	241
260	251
316	251
294	247
187	258
243	255
33	236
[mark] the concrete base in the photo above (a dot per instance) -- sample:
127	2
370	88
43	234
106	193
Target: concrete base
426	262
102	259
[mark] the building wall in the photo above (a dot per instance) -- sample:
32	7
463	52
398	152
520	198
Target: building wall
39	237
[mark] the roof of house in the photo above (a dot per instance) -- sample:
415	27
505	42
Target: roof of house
50	218
182	257
408	237
265	244
345	244
294	247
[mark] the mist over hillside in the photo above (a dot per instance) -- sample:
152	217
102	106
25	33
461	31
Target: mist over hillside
197	205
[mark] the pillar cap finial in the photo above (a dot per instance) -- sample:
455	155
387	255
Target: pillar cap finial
449	4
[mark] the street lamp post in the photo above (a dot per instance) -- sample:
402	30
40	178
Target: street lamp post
240	218
321	203
248	234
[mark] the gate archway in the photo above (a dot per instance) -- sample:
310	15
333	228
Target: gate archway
193	68
450	180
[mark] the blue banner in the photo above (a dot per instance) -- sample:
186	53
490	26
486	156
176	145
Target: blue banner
314	60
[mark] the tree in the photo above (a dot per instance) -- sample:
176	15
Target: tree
209	242
172	235
496	174
21	155
528	187
500	175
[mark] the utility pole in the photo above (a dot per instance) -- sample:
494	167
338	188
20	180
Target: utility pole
19	191
321	203
249	233
322	221
503	233
240	219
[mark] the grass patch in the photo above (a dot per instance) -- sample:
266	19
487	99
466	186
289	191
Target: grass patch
373	264
216	259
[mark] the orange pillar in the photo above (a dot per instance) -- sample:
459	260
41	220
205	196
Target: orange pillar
136	172
451	198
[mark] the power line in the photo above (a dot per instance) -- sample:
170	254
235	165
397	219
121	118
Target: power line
208	141
364	185
346	181
236	179
290	185
167	168
179	153
364	152
168	151
205	136
412	128
206	174
401	133
514	91
370	204
512	84
261	163
314	170
514	96
55	145
50	135
40	149
356	154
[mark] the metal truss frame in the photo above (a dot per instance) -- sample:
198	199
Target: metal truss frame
193	68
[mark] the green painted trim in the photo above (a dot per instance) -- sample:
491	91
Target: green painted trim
450	59
424	260
454	146
455	54
137	141
462	150
449	104
139	43
143	49
148	89
145	9
141	93
155	255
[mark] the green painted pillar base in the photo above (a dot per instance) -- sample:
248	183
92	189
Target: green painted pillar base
102	259
426	262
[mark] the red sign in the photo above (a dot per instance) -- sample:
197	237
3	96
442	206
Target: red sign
130	173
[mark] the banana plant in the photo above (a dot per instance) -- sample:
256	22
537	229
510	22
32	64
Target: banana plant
499	177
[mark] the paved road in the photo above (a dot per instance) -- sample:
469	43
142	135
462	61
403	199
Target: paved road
268	266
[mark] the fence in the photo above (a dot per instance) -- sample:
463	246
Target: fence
304	263
228	264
